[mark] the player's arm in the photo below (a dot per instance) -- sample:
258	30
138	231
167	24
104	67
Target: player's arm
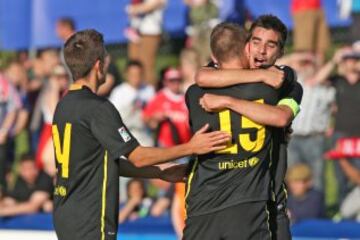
169	173
201	143
34	204
108	128
276	116
217	78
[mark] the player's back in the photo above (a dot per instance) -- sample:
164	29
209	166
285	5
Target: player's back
85	191
239	173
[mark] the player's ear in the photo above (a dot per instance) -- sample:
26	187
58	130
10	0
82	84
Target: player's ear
247	49
97	65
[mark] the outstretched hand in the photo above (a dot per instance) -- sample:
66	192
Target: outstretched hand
204	142
173	172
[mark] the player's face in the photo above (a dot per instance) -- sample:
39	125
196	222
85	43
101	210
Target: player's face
263	48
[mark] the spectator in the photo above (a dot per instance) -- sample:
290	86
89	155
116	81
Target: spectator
9	105
347	85
203	17
43	68
16	73
138	204
348	148
350	208
189	64
304	202
31	193
56	86
309	20
129	99
167	112
65	27
146	17
310	127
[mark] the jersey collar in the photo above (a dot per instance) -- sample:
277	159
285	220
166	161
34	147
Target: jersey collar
75	86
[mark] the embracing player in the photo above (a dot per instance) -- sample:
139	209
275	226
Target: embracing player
89	138
233	184
265	44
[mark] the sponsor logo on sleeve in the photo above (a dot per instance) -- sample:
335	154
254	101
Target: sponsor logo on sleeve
124	134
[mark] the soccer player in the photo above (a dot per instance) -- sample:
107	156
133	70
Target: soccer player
265	44
232	184
89	137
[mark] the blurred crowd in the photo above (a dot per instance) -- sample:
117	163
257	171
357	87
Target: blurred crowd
323	152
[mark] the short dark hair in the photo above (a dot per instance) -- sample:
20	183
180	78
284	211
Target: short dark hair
134	63
270	22
227	40
67	21
27	157
82	50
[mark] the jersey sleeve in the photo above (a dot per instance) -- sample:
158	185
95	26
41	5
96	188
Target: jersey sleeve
291	91
44	183
187	102
111	132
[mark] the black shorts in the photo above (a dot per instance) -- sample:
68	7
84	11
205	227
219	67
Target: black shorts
245	221
279	220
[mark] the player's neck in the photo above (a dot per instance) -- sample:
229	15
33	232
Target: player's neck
231	64
84	82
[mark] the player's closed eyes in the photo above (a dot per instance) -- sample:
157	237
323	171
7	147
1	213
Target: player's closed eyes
271	45
255	42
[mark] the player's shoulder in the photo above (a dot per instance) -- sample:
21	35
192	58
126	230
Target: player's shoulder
289	72
194	88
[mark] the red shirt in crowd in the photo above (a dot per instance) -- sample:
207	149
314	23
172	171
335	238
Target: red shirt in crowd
174	107
301	5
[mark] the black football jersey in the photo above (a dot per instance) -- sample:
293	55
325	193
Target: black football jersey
89	136
239	173
291	90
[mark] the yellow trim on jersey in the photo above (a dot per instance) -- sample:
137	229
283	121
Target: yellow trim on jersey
272	184
268	220
75	86
292	104
191	177
103	197
285	191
